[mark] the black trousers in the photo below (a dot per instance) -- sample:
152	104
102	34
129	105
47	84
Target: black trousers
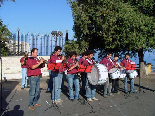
115	85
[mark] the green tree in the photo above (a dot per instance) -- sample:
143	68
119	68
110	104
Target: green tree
115	25
5	34
77	46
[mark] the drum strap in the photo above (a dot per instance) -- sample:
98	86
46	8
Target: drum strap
111	61
89	61
118	64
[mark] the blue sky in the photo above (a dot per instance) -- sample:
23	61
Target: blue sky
43	16
37	16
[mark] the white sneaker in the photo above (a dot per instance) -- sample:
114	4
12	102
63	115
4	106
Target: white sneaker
59	101
90	100
95	99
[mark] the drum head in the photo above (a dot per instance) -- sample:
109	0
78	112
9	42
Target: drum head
113	70
93	75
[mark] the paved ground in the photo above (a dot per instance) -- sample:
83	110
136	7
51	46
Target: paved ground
15	101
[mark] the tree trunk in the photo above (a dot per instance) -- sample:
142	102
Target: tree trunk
141	63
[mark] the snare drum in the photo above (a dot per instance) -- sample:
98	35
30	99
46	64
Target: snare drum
122	73
98	75
132	73
114	73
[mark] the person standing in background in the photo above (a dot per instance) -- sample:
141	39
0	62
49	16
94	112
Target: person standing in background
24	71
50	82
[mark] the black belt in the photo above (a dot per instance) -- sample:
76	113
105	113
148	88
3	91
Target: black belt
37	76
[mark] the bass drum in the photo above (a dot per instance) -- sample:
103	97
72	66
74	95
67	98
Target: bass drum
114	73
132	73
98	75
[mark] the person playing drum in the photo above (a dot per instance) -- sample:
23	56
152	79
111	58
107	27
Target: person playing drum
90	89
107	61
124	64
115	82
83	74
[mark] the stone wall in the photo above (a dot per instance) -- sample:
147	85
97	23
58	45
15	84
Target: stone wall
11	67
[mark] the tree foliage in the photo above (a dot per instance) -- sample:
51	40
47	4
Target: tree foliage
5	34
114	25
77	46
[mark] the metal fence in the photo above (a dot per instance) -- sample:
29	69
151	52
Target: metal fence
44	42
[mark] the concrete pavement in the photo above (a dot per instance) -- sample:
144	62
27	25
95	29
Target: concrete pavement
15	101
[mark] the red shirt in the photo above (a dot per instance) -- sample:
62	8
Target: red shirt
107	62
70	64
33	72
53	59
125	62
115	63
88	62
81	60
21	60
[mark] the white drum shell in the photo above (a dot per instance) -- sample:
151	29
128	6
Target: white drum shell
132	74
98	75
114	73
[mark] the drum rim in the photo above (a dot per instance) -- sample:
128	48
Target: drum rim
113	72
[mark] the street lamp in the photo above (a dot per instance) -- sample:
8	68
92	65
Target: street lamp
66	35
56	34
18	40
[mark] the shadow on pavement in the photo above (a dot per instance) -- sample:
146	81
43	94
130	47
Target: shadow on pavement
15	112
7	88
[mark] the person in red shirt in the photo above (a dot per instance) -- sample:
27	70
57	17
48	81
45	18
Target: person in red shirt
57	74
124	64
90	89
72	76
107	61
83	74
34	66
24	71
50	82
115	82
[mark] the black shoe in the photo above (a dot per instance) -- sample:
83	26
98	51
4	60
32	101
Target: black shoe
48	92
126	92
72	100
22	88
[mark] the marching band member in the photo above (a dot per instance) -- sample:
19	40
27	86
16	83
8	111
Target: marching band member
124	64
57	75
83	74
24	71
72	76
64	70
90	89
50	82
34	66
115	82
107	62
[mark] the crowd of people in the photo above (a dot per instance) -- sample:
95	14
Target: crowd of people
61	66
